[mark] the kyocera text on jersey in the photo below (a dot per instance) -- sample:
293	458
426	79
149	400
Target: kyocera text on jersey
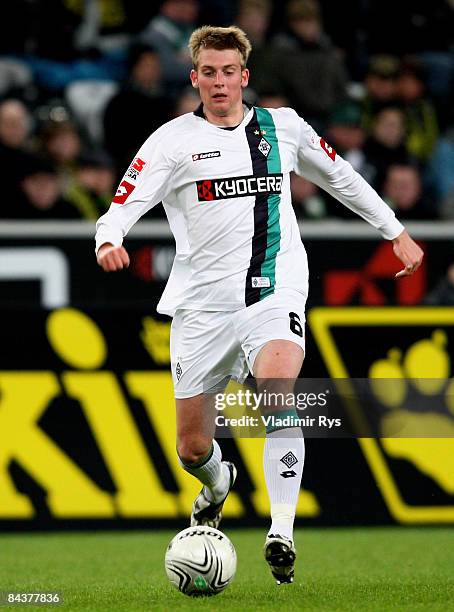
239	186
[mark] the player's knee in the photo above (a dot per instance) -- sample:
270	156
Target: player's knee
193	450
279	359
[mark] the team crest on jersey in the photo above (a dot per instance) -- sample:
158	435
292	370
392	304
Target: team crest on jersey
208	155
264	147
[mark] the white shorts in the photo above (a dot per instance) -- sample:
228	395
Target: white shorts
208	348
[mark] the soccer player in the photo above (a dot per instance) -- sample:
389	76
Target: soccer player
239	282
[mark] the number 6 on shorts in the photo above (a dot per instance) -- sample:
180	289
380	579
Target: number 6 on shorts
295	324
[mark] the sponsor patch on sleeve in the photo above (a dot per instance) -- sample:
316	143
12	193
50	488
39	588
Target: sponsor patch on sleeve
328	150
123	191
135	168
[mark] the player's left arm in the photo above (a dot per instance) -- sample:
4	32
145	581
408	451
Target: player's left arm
409	253
318	162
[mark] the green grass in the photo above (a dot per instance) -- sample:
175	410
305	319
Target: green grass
337	569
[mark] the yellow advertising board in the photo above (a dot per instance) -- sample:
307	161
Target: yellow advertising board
411	346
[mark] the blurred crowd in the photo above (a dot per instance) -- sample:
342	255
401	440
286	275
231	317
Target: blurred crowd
83	83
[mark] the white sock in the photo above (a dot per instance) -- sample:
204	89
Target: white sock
283	461
211	472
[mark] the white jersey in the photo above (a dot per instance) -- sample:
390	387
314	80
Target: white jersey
226	193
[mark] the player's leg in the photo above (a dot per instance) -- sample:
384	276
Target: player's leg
199	365
272	336
276	367
201	456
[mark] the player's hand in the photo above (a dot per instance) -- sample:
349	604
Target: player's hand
112	258
409	253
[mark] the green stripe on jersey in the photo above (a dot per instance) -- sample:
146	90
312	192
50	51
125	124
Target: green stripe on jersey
273	161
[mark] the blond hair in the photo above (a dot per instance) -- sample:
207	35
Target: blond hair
210	37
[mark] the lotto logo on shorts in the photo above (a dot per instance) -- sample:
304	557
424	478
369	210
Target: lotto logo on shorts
238	187
123	191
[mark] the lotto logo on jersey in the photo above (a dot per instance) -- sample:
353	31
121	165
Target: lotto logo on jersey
208	155
135	168
238	187
123	191
328	150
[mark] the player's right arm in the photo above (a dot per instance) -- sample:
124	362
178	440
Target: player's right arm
146	182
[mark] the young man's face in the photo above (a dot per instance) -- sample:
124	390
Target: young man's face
220	79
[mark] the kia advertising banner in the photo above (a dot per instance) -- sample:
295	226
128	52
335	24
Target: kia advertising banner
87	421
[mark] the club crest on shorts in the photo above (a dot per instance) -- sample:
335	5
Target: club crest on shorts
178	371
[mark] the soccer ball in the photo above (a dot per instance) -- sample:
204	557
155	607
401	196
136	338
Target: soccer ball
200	561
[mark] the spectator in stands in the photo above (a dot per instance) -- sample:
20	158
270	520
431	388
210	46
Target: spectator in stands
61	143
169	34
440	175
403	192
40	193
380	84
187	102
16	79
386	145
307	200
253	16
103	29
423	29
443	293
420	116
15	128
345	133
138	109
304	65
61	42
15	124
94	183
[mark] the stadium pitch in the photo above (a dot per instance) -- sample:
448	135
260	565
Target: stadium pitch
398	569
